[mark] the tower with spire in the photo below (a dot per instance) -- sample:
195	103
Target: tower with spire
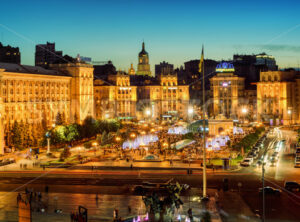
143	63
131	70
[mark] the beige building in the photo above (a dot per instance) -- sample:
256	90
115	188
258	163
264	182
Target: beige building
278	97
33	94
227	90
115	98
164	99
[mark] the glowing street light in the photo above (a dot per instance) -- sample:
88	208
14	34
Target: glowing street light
244	110
148	112
190	110
132	135
118	139
106	115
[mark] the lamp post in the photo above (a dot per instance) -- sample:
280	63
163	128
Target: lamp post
190	113
290	114
48	135
147	113
244	111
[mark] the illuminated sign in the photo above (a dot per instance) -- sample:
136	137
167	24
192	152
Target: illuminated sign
225	67
172	88
125	88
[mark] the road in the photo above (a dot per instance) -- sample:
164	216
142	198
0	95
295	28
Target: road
285	207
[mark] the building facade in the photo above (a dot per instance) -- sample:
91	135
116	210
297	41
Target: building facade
227	90
45	54
166	100
115	98
163	68
278	97
143	62
10	54
33	94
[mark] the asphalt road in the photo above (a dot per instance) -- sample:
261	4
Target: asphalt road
285	207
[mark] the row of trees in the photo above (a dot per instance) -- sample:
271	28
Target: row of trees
25	135
248	141
66	134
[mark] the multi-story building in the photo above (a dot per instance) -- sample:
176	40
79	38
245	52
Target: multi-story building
32	94
45	54
143	62
115	97
163	100
163	68
227	90
278	97
9	54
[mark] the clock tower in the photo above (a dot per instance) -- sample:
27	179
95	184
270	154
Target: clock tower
143	63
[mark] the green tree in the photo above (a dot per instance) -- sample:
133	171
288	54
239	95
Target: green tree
59	119
89	127
72	132
16	135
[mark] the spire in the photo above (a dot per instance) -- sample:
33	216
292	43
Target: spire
143	47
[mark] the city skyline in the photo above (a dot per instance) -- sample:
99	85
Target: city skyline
174	33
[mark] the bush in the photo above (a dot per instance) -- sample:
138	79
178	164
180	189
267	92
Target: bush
87	145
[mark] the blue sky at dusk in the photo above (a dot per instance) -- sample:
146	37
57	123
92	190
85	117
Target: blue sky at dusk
173	31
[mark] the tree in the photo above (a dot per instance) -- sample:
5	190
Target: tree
59	119
65	154
89	127
72	132
162	208
16	135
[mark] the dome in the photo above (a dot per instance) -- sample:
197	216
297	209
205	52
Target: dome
143	52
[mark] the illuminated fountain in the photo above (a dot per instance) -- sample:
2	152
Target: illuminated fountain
142	140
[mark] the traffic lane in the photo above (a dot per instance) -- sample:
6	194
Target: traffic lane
279	208
248	180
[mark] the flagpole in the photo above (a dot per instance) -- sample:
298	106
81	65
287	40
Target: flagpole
203	114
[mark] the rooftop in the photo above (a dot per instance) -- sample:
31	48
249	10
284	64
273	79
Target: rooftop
26	69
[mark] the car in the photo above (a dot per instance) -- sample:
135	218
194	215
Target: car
297	164
270	191
291	186
247	162
259	163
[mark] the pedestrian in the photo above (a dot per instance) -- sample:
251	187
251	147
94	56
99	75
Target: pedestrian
72	216
46	189
129	209
131	166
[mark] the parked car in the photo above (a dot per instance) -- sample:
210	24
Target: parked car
247	162
270	190
291	185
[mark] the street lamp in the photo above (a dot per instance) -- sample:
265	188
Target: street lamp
118	139
290	114
132	135
244	111
48	135
147	113
190	112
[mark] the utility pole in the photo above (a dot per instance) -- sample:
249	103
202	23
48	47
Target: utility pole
204	127
263	190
